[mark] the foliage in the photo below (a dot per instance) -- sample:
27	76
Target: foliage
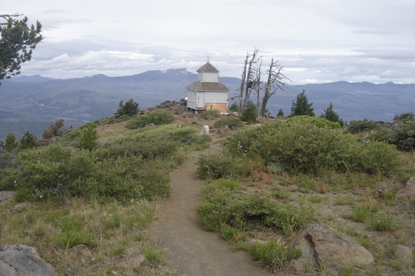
249	114
54	171
383	222
110	229
402	135
304	148
11	142
224	204
404	117
332	116
301	106
218	165
151	142
156	117
17	41
231	122
233	107
280	113
130	108
88	137
53	129
312	121
209	114
28	141
361	126
274	253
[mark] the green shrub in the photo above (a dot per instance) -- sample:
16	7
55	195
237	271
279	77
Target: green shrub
231	122
234	107
249	114
361	126
11	142
88	137
404	117
28	141
54	171
130	108
71	238
378	157
312	121
151	142
273	253
383	222
224	206
303	148
404	136
209	114
361	213
219	165
156	117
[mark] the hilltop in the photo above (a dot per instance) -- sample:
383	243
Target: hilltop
151	192
33	103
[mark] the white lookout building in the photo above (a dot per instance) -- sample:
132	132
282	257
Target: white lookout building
207	92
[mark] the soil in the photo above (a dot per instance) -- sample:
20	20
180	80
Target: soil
190	248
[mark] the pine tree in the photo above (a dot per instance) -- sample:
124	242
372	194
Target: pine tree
17	41
28	141
301	106
130	108
11	142
330	115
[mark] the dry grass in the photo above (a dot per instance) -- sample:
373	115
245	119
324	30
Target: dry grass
108	230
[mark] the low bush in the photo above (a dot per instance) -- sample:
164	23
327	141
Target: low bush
305	148
383	222
361	126
219	165
152	142
313	121
231	122
249	114
273	253
56	172
224	205
156	117
209	114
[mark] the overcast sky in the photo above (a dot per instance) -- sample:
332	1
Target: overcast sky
315	40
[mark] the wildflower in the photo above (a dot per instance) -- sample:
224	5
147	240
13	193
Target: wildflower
41	196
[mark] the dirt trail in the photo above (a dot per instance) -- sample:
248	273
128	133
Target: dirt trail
193	250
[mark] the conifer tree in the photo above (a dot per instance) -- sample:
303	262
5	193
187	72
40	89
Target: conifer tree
17	41
11	142
301	106
330	115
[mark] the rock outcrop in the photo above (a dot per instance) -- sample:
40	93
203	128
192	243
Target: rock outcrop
17	260
322	245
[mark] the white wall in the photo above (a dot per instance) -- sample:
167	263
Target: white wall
215	97
208	77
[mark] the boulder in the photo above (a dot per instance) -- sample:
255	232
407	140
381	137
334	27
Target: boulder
322	245
17	259
403	253
205	130
407	192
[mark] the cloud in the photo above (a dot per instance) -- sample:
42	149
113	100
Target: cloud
315	40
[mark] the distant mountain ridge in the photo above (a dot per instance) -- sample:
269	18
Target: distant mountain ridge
32	103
